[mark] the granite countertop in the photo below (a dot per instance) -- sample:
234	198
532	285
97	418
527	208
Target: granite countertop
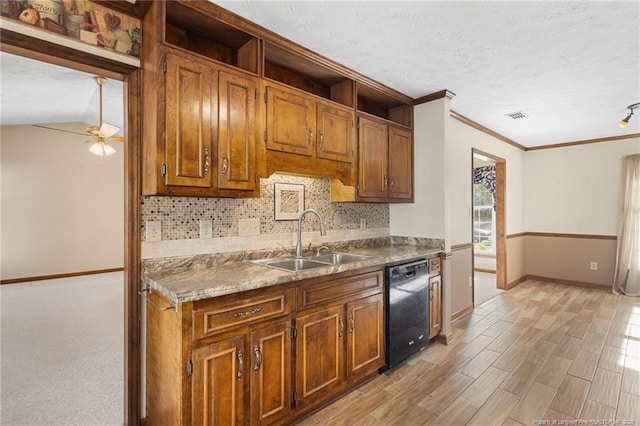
186	283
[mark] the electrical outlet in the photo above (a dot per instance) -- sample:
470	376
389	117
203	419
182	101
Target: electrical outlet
153	231
594	266
363	223
248	227
206	229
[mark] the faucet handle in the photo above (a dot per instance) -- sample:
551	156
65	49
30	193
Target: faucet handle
319	249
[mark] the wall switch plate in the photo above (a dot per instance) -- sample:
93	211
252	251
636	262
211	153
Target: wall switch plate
363	223
206	229
248	227
153	231
594	266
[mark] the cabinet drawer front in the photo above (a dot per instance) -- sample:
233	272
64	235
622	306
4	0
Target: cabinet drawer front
327	291
210	320
434	265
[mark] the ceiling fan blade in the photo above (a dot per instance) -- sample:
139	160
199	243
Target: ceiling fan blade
58	130
115	139
107	130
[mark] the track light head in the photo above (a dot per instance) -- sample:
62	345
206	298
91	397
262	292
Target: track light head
625	121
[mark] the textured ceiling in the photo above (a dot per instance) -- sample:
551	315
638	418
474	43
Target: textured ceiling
34	92
572	67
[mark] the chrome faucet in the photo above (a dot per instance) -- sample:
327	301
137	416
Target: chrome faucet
323	231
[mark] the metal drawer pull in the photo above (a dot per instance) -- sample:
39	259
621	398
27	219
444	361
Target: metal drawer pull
206	160
256	350
239	373
225	164
251	312
353	324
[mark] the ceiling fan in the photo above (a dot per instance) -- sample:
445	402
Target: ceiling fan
100	134
103	132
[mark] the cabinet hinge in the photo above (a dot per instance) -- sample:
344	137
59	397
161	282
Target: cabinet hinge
358	187
164	66
189	368
294	332
264	136
256	179
294	399
163	169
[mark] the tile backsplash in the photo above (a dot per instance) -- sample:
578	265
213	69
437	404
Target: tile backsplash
180	216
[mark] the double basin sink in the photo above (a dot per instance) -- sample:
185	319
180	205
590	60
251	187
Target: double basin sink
323	260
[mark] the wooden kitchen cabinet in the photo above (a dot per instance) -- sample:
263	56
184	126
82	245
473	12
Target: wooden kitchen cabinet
265	356
435	306
218	383
385	162
297	123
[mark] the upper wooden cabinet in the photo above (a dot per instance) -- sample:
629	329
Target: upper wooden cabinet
226	102
385	162
298	124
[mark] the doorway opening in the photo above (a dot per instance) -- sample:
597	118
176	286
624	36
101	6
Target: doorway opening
488	226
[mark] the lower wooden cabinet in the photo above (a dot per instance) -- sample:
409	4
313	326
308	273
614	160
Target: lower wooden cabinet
266	356
435	306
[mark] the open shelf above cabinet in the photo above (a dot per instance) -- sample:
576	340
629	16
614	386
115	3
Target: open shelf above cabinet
383	105
189	29
288	68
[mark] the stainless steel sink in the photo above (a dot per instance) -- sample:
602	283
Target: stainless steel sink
339	258
293	264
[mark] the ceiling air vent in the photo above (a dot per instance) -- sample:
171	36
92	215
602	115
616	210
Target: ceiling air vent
516	115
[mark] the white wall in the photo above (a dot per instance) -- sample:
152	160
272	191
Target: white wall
426	217
575	189
62	207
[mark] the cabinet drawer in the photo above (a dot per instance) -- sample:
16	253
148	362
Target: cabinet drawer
326	291
434	266
215	318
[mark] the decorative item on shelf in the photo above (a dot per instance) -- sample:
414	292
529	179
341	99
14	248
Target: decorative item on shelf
288	201
103	132
625	121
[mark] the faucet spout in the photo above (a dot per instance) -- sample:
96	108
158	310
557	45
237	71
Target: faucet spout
323	230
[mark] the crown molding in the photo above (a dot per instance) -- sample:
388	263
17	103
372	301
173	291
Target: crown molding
584	142
486	130
445	93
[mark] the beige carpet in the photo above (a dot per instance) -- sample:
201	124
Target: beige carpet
62	351
484	287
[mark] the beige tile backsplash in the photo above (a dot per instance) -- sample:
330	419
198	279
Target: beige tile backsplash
180	218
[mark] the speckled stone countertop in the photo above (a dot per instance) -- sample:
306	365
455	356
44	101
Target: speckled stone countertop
189	279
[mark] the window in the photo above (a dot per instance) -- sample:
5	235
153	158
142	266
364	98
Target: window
484	219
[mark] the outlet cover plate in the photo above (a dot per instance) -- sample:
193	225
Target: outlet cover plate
248	227
206	229
153	231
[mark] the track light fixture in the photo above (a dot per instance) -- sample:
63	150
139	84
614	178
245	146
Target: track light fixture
625	121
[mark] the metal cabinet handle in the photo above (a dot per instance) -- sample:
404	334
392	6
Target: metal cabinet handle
321	138
225	164
240	365
341	332
310	136
386	180
391	182
430	294
205	154
251	312
258	354
353	324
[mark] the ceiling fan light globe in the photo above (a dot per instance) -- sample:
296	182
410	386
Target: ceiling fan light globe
96	149
108	149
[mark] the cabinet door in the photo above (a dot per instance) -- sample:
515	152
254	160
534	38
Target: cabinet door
237	132
435	306
365	331
290	122
335	133
218	383
189	122
271	373
400	164
319	355
372	159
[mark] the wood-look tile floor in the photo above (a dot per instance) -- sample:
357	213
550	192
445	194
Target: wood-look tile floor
540	351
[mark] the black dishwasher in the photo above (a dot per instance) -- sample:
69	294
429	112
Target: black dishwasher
407	303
